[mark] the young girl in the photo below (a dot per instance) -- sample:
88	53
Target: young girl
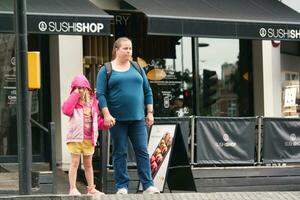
82	108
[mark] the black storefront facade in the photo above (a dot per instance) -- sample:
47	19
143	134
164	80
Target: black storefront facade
44	20
168	38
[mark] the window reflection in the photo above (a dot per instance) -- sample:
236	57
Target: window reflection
290	94
171	81
230	59
225	90
219	56
290	81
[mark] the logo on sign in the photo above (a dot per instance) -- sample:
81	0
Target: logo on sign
226	142
225	137
42	26
263	32
293	137
292	141
279	33
13	60
72	27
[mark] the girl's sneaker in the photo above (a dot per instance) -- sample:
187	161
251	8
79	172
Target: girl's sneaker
91	190
74	191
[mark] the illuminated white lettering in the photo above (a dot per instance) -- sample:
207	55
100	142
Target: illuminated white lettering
297	33
79	27
52	26
85	27
270	32
72	27
281	33
93	27
65	27
100	26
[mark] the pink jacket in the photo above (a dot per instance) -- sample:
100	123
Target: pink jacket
72	108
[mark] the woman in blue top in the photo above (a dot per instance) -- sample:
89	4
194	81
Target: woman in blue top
122	100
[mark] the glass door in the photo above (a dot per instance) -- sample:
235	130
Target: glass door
8	129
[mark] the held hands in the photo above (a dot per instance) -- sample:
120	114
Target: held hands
109	121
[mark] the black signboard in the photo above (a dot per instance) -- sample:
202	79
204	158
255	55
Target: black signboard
281	140
224	29
68	25
225	140
62	25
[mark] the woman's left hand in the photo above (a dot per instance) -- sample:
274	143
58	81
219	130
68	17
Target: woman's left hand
149	119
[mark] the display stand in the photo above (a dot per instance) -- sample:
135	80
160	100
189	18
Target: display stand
168	158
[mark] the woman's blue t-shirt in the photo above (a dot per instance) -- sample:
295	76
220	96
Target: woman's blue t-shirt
126	94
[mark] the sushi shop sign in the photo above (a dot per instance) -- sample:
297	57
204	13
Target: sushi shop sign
68	25
279	33
79	27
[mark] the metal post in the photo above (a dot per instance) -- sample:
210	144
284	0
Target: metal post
259	129
193	140
108	149
103	165
53	156
196	80
23	109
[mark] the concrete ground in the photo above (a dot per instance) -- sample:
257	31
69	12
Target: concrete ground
9	184
9	179
171	196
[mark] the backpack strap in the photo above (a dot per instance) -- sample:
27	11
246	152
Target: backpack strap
136	66
108	69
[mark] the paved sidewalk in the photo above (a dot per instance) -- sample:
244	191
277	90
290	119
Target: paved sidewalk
172	196
9	180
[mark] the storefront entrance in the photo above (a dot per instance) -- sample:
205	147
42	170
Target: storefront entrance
40	109
44	18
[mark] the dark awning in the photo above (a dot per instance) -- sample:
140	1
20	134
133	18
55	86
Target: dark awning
58	17
258	19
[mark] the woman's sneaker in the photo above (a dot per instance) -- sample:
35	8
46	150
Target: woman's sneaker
151	190
74	191
122	191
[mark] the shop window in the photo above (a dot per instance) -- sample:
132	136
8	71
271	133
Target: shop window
170	78
8	96
230	59
290	94
290	101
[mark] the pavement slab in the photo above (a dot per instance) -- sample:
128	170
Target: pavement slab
168	196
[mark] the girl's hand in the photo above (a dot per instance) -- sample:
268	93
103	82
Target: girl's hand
76	90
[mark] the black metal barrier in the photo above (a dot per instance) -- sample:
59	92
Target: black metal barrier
281	140
222	140
228	140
